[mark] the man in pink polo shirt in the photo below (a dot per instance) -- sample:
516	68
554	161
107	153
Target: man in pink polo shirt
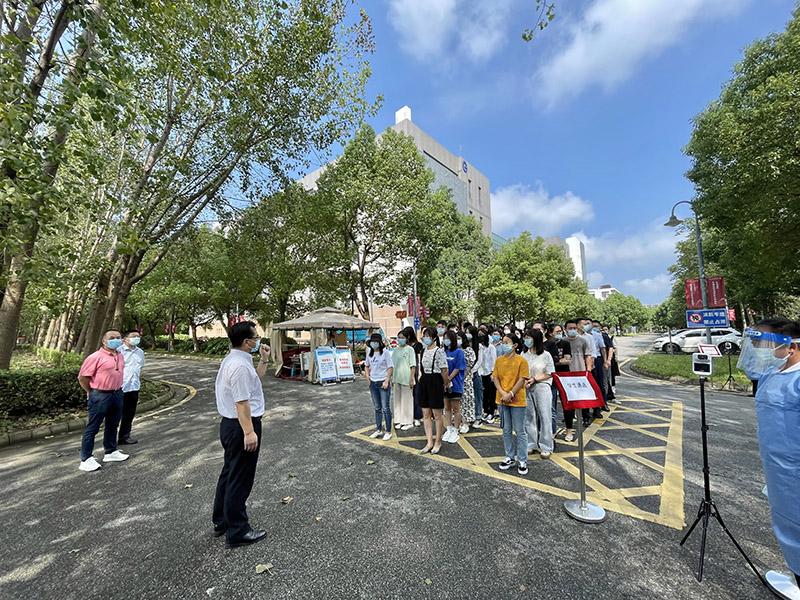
101	377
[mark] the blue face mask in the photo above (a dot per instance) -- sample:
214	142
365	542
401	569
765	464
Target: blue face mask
446	342
528	342
558	337
507	348
401	342
596	329
426	340
134	341
495	338
256	347
572	332
114	344
587	328
469	336
375	345
440	330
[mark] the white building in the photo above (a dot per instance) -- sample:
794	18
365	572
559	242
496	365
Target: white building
603	292
575	251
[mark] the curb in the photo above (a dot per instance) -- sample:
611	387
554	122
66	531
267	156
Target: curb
216	359
37	433
682	381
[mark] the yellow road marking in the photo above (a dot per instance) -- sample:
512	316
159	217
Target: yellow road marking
671	513
192	394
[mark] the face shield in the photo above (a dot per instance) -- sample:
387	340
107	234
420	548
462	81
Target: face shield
763	351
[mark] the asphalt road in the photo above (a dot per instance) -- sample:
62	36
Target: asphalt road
402	527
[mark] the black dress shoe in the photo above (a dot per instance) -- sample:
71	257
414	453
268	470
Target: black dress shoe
586	424
127	440
597	414
605	409
219	530
251	537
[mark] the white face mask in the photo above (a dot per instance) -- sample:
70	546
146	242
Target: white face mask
134	341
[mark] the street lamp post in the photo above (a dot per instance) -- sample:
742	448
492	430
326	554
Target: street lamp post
674	222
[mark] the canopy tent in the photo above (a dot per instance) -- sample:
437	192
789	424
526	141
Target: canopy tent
318	322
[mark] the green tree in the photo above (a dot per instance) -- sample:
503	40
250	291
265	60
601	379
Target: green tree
383	217
746	173
624	311
521	278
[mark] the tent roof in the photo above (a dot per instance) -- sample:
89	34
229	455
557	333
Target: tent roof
326	318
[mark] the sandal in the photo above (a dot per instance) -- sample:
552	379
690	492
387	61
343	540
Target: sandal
570	435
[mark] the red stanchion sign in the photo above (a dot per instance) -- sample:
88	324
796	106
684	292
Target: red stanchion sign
578	390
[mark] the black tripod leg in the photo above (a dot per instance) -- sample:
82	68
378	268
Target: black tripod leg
718	517
703	545
696	521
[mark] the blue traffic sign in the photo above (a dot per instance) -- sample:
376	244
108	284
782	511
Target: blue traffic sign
709	317
416	323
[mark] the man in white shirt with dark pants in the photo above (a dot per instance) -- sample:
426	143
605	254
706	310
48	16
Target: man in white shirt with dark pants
134	361
240	402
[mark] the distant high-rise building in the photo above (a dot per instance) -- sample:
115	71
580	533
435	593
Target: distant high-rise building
469	187
575	251
603	292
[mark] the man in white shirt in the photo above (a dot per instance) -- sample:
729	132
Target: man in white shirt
240	402
131	384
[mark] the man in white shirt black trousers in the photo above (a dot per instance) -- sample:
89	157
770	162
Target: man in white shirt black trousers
240	401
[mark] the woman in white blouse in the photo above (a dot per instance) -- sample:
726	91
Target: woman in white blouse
379	369
540	397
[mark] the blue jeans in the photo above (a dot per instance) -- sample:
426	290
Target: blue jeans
555	408
102	405
380	400
514	418
477	383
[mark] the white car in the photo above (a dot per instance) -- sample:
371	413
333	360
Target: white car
727	339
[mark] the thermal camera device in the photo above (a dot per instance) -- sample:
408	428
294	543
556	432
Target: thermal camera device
702	364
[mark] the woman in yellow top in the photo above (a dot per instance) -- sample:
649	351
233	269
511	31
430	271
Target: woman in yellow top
509	377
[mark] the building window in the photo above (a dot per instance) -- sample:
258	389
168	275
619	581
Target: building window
479	197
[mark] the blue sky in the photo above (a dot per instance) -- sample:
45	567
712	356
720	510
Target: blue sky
579	131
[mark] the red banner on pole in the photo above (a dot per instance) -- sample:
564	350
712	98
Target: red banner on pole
716	292
694	295
731	314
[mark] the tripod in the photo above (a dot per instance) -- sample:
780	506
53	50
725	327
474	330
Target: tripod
708	508
730	381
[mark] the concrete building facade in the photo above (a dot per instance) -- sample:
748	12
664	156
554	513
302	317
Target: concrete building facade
603	292
575	251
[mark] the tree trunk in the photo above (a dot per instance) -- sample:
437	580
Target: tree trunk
11	307
38	339
195	343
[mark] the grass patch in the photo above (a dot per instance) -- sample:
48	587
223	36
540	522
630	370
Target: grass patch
680	365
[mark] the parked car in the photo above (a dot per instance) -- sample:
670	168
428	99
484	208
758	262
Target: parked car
727	339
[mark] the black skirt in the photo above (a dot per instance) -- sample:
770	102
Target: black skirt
430	391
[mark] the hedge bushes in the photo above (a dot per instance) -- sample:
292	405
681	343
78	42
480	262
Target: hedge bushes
40	391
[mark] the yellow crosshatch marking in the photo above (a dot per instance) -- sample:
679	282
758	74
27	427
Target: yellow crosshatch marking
639	441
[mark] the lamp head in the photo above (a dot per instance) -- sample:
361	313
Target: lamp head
673	221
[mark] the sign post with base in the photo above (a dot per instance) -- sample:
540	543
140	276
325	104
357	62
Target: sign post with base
578	391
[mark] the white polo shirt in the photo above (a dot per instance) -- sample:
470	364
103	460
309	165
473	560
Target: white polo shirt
238	381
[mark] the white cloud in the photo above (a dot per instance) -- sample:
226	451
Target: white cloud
651	245
660	286
446	32
595	279
520	207
613	38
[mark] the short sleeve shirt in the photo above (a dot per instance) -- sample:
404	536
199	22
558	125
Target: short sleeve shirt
433	361
403	360
379	364
579	348
104	369
134	361
598	343
237	381
539	365
564	349
509	369
456	360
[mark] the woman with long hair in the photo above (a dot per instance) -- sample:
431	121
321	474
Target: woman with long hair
456	365
405	366
477	380
538	414
510	375
379	369
431	388
487	354
468	397
413	342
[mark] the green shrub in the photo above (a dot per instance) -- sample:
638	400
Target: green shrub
40	391
59	359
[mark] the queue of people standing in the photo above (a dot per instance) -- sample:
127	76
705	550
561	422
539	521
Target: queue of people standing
456	377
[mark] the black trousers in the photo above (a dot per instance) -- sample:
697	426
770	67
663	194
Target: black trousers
236	479
489	395
129	402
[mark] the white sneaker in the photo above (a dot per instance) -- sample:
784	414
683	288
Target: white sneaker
405	427
376	434
490	419
387	437
398	425
446	435
90	464
453	437
477	424
464	428
417	423
115	456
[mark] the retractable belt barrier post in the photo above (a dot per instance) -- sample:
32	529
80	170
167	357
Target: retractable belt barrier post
579	390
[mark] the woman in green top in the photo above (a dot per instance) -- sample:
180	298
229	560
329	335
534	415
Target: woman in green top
405	364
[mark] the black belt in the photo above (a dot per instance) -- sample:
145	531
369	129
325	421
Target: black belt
236	419
106	391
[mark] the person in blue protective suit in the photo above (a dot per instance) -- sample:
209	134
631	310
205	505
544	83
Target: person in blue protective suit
771	355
